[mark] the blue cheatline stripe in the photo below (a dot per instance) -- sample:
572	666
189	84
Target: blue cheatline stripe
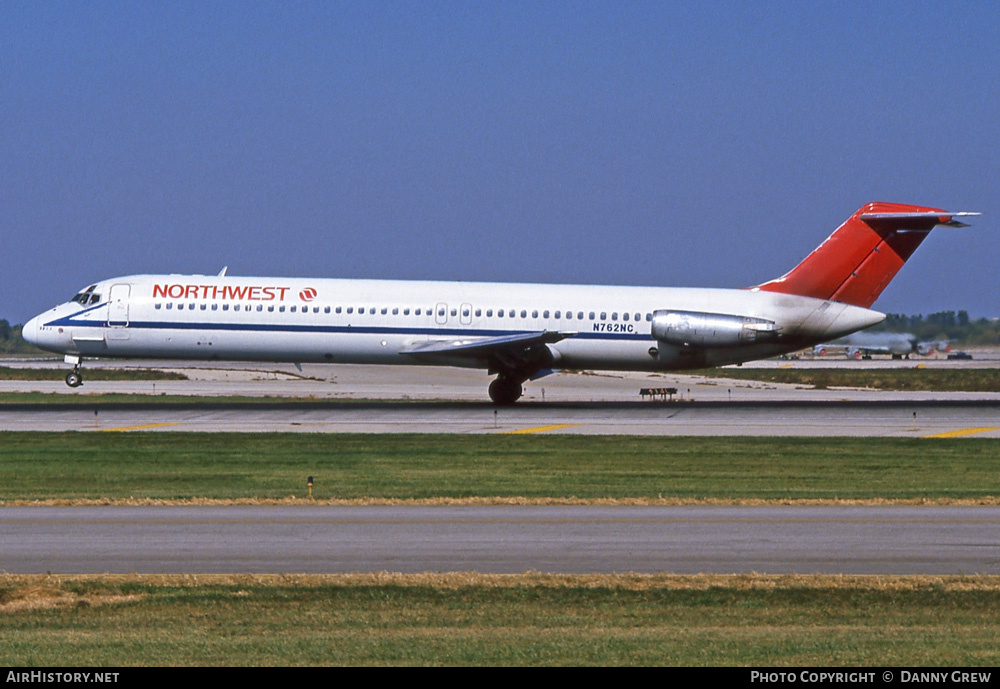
338	329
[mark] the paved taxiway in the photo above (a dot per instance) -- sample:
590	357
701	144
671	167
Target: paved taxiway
870	418
405	399
578	539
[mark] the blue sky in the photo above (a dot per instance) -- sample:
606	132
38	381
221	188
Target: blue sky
660	143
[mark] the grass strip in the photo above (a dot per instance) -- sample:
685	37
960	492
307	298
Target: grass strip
183	466
470	619
84	399
910	379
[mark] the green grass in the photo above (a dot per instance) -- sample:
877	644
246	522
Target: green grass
143	621
84	399
911	378
166	465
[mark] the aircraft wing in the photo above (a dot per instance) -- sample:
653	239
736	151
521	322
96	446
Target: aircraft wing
524	351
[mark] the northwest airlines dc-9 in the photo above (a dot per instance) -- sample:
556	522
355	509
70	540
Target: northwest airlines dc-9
519	332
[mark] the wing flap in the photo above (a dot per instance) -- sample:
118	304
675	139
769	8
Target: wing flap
519	350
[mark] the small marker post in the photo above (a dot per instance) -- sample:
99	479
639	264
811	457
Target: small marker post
309	483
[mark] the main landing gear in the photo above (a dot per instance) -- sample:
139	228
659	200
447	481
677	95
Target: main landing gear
505	391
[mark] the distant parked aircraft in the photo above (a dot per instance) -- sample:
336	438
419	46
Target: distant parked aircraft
897	345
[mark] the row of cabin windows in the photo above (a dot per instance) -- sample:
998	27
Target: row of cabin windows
406	311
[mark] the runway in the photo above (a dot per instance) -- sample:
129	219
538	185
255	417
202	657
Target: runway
406	399
860	418
578	539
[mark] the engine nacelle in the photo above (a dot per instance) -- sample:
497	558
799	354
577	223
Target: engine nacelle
699	329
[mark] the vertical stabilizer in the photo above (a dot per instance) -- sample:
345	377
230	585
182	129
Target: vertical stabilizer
864	254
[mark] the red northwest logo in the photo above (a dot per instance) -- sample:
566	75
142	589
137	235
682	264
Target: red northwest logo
308	294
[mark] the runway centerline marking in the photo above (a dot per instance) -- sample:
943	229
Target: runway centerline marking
964	431
542	429
142	427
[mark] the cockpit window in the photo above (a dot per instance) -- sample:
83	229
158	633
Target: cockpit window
87	296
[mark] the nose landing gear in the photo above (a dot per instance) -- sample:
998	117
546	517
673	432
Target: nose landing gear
74	378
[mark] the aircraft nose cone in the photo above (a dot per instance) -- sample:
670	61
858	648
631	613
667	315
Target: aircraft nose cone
29	331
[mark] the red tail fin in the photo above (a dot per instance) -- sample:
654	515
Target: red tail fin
862	256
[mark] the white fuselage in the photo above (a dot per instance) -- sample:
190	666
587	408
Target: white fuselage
386	322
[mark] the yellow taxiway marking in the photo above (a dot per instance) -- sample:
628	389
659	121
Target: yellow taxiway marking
542	429
964	431
140	428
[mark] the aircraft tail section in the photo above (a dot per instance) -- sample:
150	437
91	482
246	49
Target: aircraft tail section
862	256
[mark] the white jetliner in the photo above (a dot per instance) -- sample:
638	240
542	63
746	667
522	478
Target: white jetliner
517	331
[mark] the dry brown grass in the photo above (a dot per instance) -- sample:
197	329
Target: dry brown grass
52	590
45	592
985	501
